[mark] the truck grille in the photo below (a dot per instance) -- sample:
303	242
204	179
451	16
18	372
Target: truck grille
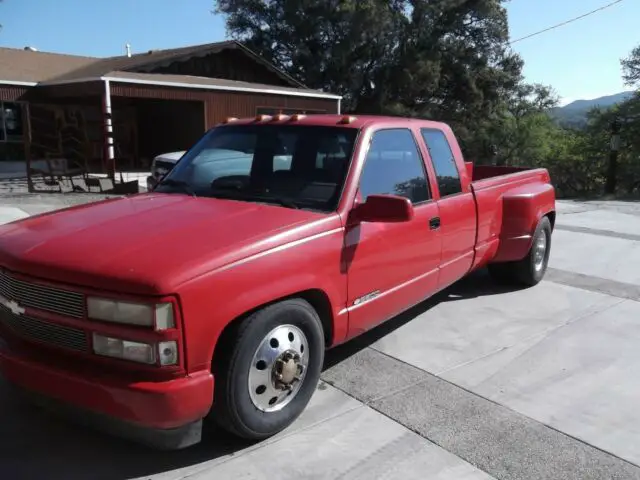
54	300
30	328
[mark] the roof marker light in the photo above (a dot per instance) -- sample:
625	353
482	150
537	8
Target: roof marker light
280	117
230	119
297	116
347	119
262	118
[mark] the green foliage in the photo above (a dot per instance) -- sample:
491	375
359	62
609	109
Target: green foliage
574	170
628	113
631	67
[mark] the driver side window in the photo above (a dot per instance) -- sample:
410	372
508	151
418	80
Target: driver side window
394	166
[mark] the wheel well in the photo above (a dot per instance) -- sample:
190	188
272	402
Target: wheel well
552	218
316	298
321	304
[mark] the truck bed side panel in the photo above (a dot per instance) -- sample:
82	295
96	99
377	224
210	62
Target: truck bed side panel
483	172
508	210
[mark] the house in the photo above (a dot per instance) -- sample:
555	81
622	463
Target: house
103	114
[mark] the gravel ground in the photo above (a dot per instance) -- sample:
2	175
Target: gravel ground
14	192
60	200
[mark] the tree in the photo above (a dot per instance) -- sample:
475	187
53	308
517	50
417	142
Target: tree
523	130
447	60
631	67
597	134
334	45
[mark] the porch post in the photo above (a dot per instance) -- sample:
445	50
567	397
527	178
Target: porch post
26	125
108	136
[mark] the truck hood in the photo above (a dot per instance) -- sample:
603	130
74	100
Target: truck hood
149	243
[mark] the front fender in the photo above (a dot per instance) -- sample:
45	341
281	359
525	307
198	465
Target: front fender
213	301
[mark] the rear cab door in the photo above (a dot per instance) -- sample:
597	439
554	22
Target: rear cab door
455	200
390	266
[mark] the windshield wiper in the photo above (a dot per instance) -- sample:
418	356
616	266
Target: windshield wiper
237	195
284	202
170	182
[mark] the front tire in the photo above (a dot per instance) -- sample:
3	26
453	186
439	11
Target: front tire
531	269
269	374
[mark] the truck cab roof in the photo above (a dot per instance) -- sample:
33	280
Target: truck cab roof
347	120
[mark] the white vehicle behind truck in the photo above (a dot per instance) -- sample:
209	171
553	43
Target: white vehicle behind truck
164	163
161	165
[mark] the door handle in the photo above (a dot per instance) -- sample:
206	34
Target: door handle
434	223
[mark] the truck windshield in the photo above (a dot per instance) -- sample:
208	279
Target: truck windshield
296	166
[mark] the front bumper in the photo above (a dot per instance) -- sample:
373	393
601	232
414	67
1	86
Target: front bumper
166	414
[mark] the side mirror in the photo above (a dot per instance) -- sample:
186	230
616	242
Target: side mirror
384	209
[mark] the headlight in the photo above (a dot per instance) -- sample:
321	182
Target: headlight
124	349
128	313
165	352
120	312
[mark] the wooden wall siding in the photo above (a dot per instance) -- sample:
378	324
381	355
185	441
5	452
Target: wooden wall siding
158	130
228	64
161	93
10	93
222	104
72	90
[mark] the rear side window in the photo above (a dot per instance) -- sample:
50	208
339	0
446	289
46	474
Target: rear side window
443	162
394	167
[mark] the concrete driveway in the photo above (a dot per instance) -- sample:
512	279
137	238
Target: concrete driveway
477	383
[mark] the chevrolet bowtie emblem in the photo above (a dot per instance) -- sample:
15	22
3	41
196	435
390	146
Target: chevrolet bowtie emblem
12	306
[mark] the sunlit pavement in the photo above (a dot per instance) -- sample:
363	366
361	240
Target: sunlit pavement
9	214
477	383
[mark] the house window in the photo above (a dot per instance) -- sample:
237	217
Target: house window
285	111
11	125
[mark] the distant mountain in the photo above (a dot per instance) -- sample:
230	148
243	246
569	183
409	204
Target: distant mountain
575	113
603	102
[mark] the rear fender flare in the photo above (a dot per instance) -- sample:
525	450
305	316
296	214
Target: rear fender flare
522	209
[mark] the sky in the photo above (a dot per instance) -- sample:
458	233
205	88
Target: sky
580	60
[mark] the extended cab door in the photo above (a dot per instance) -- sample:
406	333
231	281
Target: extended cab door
456	205
391	266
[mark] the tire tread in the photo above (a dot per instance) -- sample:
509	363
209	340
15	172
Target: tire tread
521	272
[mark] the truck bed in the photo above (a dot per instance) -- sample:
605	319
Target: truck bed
504	198
482	172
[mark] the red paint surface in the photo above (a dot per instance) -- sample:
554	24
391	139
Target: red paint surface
222	258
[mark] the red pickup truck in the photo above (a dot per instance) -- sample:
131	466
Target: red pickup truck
214	297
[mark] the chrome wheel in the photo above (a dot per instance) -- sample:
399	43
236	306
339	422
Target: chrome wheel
539	252
278	368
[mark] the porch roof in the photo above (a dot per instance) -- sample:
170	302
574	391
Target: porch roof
193	82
